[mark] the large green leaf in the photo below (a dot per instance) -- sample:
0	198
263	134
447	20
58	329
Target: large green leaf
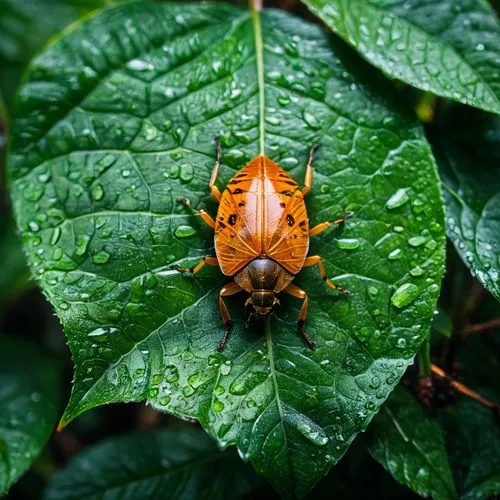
448	47
116	121
29	391
410	446
467	147
165	463
26	26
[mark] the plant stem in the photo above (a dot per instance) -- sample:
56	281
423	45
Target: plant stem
424	358
256	5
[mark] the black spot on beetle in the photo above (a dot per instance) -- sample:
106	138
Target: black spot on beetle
232	219
282	205
235	181
238	191
290	183
222	225
241	204
286	192
290	220
302	223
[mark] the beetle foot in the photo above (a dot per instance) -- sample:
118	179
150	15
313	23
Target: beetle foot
229	326
184	201
184	269
307	337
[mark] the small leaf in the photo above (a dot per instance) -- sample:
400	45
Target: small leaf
122	127
410	446
26	26
442	324
29	385
14	276
468	153
449	47
473	437
165	463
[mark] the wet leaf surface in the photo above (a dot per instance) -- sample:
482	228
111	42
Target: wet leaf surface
410	445
450	48
117	120
184	462
468	154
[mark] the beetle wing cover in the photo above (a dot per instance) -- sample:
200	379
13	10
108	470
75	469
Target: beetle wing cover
237	228
288	241
261	212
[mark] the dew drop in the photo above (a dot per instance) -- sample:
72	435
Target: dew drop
311	120
184	231
97	192
56	234
82	242
348	243
395	254
186	173
416	241
34	226
218	406
101	257
399	198
404	295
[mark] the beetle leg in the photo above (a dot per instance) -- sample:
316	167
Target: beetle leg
229	289
213	188
211	261
309	172
315	260
207	219
324	225
295	291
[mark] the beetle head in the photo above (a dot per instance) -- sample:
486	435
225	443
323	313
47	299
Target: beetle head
263	303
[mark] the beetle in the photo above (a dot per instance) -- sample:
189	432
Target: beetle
262	238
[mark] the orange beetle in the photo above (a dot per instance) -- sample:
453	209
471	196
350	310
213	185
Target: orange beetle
262	238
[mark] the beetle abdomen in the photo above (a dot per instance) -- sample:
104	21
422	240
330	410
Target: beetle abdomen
263	274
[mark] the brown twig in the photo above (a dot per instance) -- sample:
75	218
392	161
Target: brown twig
465	390
481	327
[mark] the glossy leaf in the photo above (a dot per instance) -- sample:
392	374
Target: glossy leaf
410	446
28	406
449	47
165	463
119	122
26	26
468	152
473	438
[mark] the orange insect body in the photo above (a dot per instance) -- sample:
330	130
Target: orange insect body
262	213
262	238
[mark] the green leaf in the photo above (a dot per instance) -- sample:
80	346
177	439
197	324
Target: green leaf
410	446
164	463
26	26
468	153
442	324
473	438
28	406
119	129
450	48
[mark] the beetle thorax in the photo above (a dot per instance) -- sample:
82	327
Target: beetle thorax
263	275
